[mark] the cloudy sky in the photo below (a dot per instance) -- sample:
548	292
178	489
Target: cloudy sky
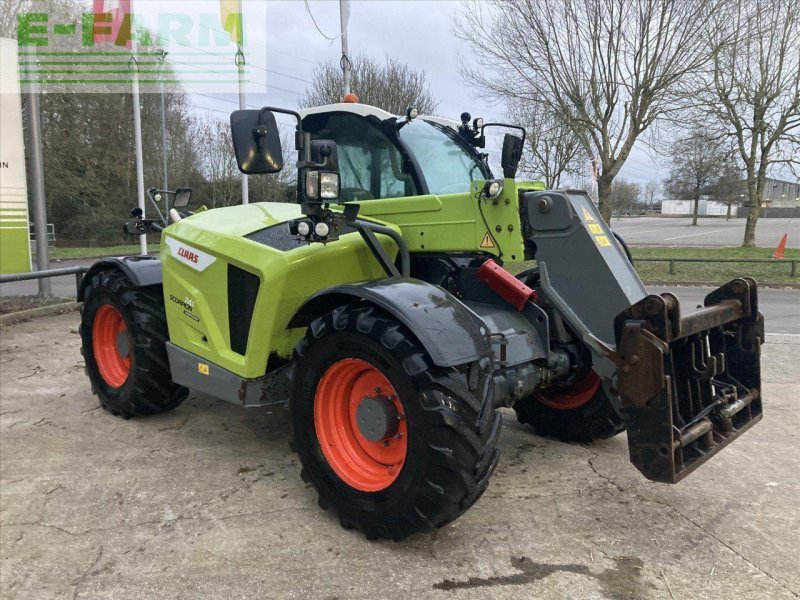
283	45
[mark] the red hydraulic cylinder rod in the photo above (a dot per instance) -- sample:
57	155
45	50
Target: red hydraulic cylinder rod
505	285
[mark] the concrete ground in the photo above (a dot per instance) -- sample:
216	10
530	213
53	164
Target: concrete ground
679	231
207	502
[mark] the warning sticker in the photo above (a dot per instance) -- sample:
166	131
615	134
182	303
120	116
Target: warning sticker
587	216
602	240
595	228
202	368
487	241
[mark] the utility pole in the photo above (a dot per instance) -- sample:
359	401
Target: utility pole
344	17
162	60
240	64
37	180
137	133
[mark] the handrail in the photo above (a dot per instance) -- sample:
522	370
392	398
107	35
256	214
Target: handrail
77	271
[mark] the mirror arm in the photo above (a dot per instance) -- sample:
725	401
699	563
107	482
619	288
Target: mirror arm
302	140
517	127
158	210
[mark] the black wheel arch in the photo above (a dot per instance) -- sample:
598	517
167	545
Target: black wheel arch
451	333
141	271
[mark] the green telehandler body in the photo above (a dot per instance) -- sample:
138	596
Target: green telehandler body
377	307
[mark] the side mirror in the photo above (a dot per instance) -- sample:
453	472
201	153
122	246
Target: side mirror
512	153
256	141
182	197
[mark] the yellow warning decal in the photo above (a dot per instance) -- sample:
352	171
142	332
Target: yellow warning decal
602	240
202	369
595	228
587	216
487	241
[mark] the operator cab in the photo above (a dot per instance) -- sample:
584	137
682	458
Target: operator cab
383	156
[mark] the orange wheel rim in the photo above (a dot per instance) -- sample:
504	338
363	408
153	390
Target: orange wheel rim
111	344
574	396
368	465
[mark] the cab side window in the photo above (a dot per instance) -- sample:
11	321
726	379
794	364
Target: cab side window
370	165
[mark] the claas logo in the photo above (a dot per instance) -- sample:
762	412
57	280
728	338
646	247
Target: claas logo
184	253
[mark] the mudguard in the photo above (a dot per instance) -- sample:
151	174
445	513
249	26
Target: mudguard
449	331
141	270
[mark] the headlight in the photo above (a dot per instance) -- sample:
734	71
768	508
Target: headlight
329	186
303	228
312	185
321	229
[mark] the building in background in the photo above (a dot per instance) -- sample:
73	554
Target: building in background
15	248
685	208
779	193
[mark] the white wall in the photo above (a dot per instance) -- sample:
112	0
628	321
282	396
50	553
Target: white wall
14	232
707	208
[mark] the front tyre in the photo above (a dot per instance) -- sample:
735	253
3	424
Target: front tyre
124	335
394	443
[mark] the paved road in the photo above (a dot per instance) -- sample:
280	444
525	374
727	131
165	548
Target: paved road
207	502
678	231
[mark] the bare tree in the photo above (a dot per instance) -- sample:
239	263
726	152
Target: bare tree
391	85
697	161
730	188
610	68
650	193
553	148
755	88
218	162
625	196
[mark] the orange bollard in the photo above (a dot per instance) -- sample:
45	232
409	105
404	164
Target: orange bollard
779	251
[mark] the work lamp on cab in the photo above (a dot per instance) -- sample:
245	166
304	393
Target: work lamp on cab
322	185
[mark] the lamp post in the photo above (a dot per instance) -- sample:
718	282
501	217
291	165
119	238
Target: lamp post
161	56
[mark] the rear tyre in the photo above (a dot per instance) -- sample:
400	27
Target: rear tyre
124	334
579	412
392	442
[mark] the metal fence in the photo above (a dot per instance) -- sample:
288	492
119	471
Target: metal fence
773	261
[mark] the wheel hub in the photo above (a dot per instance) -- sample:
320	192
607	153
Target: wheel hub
360	424
123	344
377	418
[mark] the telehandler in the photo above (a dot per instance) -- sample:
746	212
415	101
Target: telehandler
379	308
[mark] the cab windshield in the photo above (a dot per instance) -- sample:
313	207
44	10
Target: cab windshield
448	165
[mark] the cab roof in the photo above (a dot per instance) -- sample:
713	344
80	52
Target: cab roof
365	110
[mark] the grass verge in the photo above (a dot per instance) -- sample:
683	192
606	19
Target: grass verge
95	252
776	272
